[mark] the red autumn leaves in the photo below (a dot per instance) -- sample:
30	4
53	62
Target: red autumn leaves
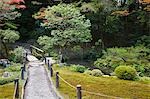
18	3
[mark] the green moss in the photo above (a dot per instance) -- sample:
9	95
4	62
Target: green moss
109	86
7	91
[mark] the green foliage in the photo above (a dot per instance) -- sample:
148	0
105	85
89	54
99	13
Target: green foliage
17	55
89	72
126	72
6	80
13	68
68	25
1	72
144	40
94	52
137	57
113	24
8	11
46	42
78	68
9	36
97	72
76	48
145	79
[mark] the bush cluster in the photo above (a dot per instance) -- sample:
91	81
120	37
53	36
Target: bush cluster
7	80
17	55
78	68
137	57
126	72
97	72
13	69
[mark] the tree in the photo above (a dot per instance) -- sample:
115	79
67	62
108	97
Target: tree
8	13
8	36
68	26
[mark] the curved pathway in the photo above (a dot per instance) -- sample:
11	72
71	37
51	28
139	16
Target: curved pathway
38	85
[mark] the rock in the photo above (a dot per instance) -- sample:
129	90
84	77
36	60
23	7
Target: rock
112	74
4	62
105	76
6	74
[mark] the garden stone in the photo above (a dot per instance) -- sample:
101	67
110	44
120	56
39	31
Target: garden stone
112	74
105	76
4	62
6	74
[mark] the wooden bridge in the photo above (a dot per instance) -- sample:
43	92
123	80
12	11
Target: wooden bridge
37	85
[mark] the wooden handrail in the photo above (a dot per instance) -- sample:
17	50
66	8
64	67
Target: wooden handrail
36	48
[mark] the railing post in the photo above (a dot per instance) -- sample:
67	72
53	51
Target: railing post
79	94
50	68
24	67
31	49
26	56
16	82
22	73
51	72
45	60
48	64
57	80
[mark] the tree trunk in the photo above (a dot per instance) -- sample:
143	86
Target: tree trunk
5	48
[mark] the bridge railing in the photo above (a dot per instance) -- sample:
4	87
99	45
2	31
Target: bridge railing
37	51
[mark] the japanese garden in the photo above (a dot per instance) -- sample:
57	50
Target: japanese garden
74	49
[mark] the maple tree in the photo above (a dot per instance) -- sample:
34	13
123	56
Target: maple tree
7	10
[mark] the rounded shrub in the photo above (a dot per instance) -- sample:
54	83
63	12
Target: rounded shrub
13	69
17	55
89	72
97	72
126	72
78	68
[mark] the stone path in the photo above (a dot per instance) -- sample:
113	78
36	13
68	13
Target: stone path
38	85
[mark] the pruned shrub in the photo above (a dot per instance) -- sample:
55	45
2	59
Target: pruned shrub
78	68
7	80
17	55
126	72
97	72
89	72
13	69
